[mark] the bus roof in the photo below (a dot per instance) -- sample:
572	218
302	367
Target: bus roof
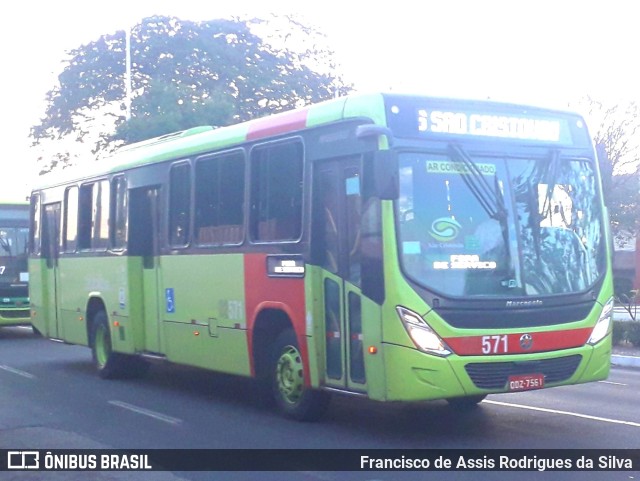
204	139
200	140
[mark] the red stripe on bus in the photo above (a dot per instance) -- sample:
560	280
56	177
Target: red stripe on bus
280	293
277	124
519	343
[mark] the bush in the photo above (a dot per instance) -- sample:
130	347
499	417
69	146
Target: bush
619	332
632	333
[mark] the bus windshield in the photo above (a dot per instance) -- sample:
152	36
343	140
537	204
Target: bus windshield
13	241
499	226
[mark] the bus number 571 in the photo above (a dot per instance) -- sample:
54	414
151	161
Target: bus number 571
494	344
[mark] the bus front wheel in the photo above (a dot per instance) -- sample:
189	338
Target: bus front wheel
293	398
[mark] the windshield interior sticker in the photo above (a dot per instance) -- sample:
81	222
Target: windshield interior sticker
471	242
448	167
411	247
352	185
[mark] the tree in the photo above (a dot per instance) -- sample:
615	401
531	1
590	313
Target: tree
617	129
185	74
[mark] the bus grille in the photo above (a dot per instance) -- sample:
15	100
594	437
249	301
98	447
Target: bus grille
496	374
15	313
14	291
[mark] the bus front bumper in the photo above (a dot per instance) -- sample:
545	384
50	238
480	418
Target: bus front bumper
412	375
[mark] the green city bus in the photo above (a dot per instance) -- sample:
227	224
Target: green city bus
14	276
394	247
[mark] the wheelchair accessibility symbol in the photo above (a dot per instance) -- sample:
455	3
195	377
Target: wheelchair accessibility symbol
170	300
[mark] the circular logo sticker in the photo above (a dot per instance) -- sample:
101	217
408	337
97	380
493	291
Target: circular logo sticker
445	229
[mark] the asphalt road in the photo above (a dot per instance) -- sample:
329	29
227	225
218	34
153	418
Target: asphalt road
52	399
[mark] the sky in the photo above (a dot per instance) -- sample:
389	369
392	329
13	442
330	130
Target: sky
542	52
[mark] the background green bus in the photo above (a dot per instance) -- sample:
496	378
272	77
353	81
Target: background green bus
14	277
395	247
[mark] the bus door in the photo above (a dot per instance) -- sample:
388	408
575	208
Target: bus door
337	212
51	278
144	220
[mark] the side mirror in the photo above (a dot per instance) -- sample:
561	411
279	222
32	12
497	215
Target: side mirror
385	174
385	162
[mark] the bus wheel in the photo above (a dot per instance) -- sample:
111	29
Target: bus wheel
466	402
110	365
293	399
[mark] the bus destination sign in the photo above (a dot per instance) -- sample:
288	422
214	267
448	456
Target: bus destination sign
285	266
408	117
490	125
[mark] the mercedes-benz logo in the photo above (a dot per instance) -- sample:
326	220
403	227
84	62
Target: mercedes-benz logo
526	341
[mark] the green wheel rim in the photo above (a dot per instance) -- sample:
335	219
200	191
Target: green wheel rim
289	378
103	347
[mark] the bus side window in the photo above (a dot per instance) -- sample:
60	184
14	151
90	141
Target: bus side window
100	207
70	229
51	234
179	204
84	216
219	199
353	208
119	200
276	192
142	235
93	216
325	235
35	234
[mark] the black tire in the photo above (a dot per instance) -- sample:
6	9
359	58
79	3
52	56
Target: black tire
36	331
293	399
109	364
466	403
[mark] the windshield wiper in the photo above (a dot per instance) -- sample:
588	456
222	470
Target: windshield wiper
550	174
490	197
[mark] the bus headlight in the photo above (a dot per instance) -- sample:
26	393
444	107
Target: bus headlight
421	333
602	326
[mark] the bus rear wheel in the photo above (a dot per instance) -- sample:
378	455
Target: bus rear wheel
293	398
109	364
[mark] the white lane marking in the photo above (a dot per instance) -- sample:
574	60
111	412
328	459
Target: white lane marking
17	371
566	413
614	383
146	412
